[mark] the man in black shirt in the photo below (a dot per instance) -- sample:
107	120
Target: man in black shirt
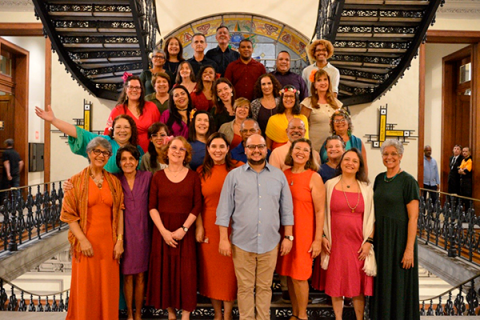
12	166
199	44
222	54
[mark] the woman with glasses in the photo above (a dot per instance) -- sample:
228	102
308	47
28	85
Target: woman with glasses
319	107
124	131
288	109
158	63
175	202
341	125
93	211
201	127
396	197
132	103
152	160
231	129
161	83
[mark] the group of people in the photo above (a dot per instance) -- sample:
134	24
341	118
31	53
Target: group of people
177	207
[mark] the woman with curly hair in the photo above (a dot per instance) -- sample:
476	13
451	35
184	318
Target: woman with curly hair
288	109
319	107
177	117
267	89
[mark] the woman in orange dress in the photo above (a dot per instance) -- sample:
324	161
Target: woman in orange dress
93	209
220	286
308	194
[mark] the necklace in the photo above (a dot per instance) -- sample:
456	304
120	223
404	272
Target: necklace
172	172
291	182
392	178
348	203
99	182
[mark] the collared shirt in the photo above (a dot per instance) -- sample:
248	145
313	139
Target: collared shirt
290	78
238	153
257	203
243	76
222	58
196	65
332	72
430	172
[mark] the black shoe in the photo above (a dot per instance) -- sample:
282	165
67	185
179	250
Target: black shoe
286	297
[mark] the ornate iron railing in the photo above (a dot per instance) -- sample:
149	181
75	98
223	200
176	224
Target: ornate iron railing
29	213
144	14
450	226
329	13
465	302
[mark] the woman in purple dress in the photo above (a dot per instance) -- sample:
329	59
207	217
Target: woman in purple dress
135	185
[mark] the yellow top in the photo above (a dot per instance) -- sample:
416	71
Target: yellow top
277	126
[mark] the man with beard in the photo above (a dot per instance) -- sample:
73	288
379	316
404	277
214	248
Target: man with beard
257	199
295	131
222	54
244	72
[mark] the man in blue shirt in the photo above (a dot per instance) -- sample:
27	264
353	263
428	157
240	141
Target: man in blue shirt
257	199
431	180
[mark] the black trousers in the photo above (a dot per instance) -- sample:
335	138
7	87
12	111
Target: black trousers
432	195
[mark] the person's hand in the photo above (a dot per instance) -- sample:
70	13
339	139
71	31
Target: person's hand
178	234
46	114
225	248
118	250
86	248
326	245
67	185
168	238
286	247
200	233
364	251
315	248
9	177
407	261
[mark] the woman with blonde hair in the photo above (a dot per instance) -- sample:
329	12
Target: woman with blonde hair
319	107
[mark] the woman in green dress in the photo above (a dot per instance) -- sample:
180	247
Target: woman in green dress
396	196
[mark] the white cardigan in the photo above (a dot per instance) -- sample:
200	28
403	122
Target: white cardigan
370	266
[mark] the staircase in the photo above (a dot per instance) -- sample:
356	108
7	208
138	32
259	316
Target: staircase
99	40
375	42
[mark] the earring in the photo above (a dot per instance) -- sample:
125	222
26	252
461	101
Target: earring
231	94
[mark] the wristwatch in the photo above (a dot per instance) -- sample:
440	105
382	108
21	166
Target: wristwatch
185	229
289	238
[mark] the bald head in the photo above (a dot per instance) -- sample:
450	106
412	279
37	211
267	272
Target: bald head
296	129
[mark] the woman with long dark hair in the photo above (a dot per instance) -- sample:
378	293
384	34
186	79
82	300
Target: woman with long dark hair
223	97
202	96
177	117
174	55
201	127
186	76
132	102
221	287
267	90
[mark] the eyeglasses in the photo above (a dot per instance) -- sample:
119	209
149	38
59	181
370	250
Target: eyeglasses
177	149
260	147
289	97
393	154
134	88
159	135
339	120
98	152
158	57
321	50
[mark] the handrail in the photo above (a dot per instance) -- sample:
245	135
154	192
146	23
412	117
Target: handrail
31	293
31	185
450	194
452	288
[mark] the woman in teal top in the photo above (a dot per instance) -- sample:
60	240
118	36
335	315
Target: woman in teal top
341	125
124	132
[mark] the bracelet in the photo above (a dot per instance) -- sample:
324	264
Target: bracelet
369	240
324	236
120	237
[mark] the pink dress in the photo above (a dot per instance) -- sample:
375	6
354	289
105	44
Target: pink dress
344	276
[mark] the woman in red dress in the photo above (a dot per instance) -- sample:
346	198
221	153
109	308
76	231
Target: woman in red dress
202	96
221	287
347	254
132	102
175	202
308	194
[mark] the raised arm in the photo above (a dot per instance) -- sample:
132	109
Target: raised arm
48	115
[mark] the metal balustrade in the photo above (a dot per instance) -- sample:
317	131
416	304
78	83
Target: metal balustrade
28	213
